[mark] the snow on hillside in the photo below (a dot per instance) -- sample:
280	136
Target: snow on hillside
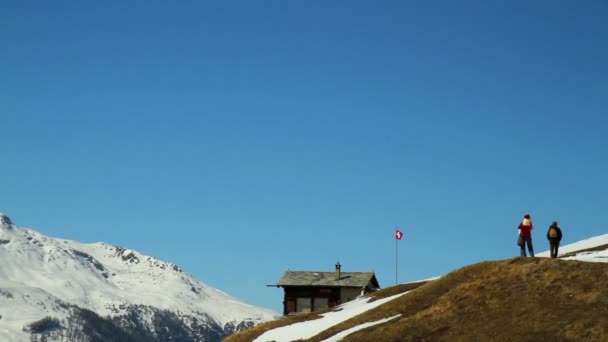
339	336
593	256
307	329
38	271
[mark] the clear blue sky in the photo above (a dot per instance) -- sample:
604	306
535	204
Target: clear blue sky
241	139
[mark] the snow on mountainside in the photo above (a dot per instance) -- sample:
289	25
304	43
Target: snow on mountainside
40	276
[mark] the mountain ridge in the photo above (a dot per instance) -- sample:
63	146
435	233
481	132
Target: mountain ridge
105	279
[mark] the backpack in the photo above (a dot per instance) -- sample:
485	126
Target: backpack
552	233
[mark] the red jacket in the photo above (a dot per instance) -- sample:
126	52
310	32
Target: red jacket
525	230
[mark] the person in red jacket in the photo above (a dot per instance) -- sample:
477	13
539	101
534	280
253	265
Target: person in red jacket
525	228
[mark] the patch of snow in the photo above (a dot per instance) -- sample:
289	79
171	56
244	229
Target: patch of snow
600	256
427	279
343	334
594	256
308	329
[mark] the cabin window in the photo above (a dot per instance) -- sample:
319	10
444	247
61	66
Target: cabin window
303	304
321	303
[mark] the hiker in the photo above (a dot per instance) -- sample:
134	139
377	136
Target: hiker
525	236
554	235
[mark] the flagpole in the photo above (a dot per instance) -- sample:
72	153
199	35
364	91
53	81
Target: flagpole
396	257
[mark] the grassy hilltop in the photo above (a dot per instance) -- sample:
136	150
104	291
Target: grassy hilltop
520	299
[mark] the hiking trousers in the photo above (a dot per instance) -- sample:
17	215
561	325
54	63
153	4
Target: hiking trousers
554	245
527	241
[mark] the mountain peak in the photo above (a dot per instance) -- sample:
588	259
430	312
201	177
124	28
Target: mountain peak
5	221
112	282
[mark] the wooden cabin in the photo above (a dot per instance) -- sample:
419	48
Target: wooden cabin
307	291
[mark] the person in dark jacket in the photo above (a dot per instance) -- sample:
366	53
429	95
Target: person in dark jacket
525	231
554	235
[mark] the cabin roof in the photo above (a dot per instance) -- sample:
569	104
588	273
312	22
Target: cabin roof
347	279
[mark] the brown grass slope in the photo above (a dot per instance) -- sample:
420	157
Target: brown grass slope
522	299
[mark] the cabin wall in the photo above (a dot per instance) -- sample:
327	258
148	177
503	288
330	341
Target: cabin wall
308	299
349	293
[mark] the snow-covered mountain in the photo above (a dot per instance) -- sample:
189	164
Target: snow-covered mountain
44	277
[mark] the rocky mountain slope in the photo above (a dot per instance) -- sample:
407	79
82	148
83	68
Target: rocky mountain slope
62	286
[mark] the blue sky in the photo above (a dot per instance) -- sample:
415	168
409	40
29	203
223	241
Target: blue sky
242	139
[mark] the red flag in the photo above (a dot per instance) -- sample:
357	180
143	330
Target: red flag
398	234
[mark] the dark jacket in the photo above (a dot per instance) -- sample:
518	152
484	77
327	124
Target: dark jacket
559	234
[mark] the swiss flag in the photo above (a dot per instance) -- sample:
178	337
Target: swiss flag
398	234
